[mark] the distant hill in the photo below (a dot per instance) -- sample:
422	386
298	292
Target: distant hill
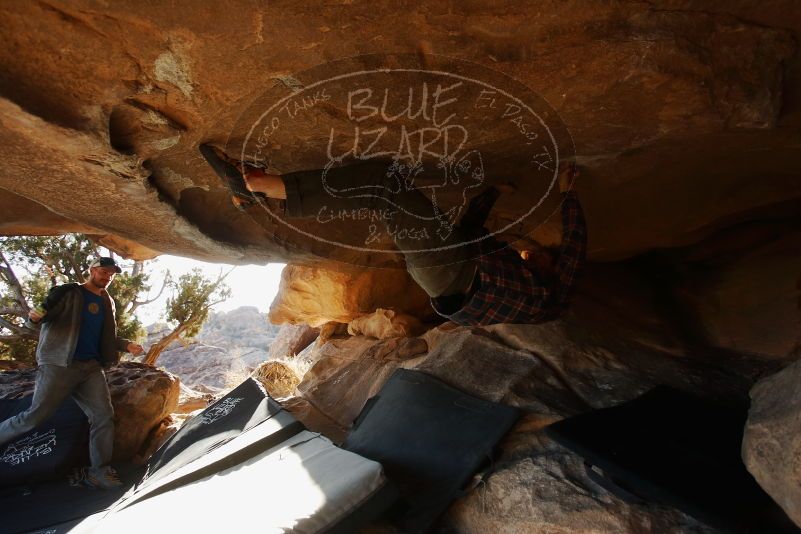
228	348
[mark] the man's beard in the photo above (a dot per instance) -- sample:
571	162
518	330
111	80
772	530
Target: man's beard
98	284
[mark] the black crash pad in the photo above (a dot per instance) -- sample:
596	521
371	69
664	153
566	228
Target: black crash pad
430	438
47	451
672	448
55	506
241	409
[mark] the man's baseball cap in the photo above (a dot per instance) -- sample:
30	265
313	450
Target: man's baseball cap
105	261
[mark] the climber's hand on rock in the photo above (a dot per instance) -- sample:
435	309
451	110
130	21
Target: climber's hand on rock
258	181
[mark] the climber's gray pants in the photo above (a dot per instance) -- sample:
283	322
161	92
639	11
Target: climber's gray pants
440	271
86	382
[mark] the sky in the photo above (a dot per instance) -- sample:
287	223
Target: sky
251	285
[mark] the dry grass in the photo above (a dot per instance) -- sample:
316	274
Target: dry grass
278	377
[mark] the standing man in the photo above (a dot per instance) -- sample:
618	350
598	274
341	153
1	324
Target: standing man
77	338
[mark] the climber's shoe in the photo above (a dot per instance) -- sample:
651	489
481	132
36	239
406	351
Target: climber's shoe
479	209
241	197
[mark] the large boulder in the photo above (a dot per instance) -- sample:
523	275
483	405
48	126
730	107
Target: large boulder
740	290
142	396
317	295
541	487
772	439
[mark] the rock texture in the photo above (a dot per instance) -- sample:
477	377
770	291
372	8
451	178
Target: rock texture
613	345
142	397
317	295
771	443
383	324
684	113
291	340
741	290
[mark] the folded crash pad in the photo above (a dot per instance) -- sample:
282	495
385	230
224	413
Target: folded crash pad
672	448
210	469
269	433
47	451
431	439
243	408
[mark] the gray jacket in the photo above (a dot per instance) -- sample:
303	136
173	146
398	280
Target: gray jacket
60	327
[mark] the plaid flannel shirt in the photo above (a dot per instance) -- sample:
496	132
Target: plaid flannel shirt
509	292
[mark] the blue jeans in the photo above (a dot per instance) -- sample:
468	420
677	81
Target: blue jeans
86	382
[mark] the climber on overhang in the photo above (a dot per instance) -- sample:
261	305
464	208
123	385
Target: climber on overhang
479	284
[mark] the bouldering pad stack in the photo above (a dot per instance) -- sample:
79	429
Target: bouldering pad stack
246	464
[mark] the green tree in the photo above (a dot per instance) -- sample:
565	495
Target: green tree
52	260
188	308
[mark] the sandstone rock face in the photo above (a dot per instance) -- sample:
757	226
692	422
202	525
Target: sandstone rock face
317	295
142	397
747	299
383	324
772	443
547	490
291	340
668	103
157	437
612	346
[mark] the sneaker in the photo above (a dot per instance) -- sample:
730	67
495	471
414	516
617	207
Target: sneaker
102	478
230	174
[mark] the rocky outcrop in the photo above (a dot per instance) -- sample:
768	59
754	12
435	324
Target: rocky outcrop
245	328
741	290
613	345
667	103
291	340
545	488
538	486
142	397
383	324
318	295
772	443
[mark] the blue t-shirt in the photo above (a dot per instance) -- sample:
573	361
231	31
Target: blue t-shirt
88	346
